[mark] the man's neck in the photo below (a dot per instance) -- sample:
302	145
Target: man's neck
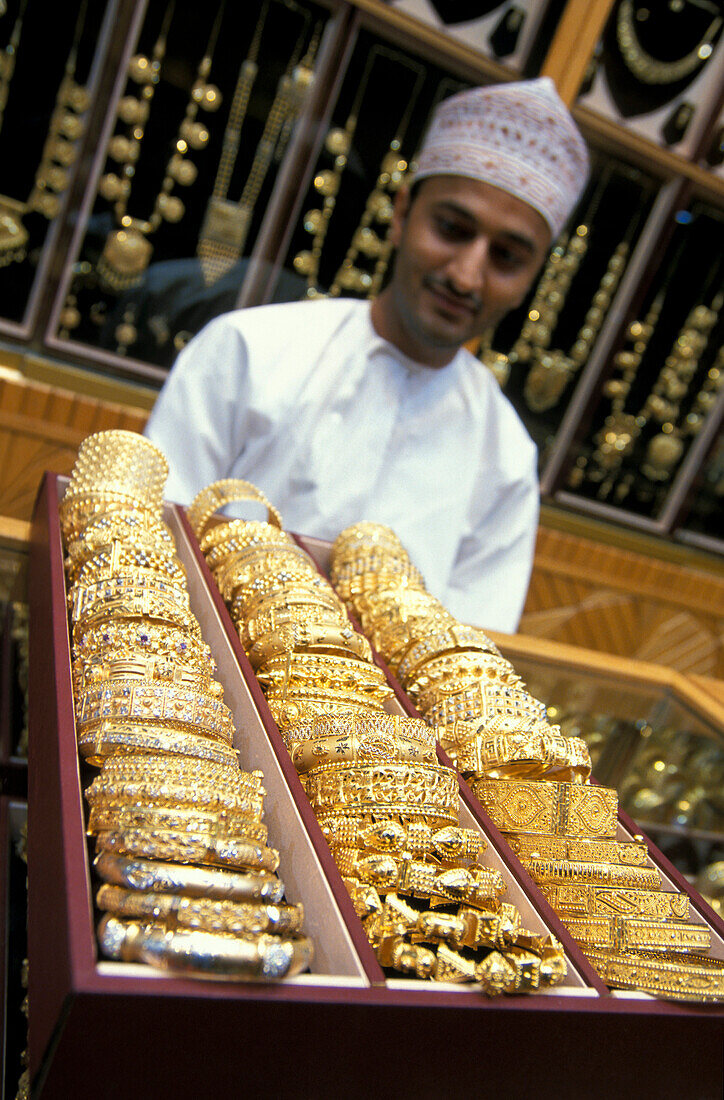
387	324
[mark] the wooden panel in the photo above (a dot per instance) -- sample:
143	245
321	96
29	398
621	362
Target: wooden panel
41	428
616	600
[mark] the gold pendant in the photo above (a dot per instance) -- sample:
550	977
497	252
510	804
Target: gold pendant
222	238
546	381
497	362
124	260
13	234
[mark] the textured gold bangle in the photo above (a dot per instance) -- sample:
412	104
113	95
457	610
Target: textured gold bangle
449	844
194	882
565	809
178	847
119	460
287	600
283	619
114	737
518	971
679	979
245	568
638	934
118	557
236	534
446	668
154	639
89	602
385	789
148	700
497	927
144	607
288	709
553	872
474	885
451	640
353	725
135	767
540	847
220	493
368	749
585	900
205	914
108	816
76	511
205	954
105	791
445	704
90	673
336	638
321	670
536	754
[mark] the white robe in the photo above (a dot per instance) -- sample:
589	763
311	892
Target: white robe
336	425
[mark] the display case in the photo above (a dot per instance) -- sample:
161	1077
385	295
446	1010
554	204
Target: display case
340	1027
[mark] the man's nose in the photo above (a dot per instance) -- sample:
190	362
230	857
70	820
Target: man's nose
467	269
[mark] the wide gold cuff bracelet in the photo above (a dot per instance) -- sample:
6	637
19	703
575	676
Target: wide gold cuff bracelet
385	788
553	872
148	700
205	914
540	847
585	900
638	934
533	755
193	882
449	844
115	738
474	885
533	806
177	847
678	979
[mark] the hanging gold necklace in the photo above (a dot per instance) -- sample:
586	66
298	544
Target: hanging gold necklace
650	70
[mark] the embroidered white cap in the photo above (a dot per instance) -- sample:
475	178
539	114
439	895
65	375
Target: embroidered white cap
519	137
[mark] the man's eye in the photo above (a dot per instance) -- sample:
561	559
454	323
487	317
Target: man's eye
508	257
451	230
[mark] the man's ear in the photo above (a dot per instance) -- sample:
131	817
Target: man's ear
400	211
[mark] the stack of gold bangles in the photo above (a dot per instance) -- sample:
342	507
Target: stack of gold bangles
189	881
534	782
389	811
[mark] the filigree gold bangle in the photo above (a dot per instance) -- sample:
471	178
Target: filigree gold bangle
540	847
474	885
90	602
481	701
565	809
586	900
205	914
385	789
180	847
148	700
449	844
154	639
106	791
385	725
539	753
194	882
336	638
135	767
205	954
108	816
112	738
467	639
679	979
89	673
220	493
245	568
553	872
638	934
368	749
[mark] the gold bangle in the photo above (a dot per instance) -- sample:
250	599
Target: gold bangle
118	557
220	493
90	601
449	844
638	934
236	534
359	725
145	607
446	704
104	791
118	459
139	666
541	752
677	979
181	847
420	879
352	584
281	618
155	701
498	927
134	767
112	738
335	638
244	568
385	789
445	668
288	710
541	805
205	954
540	847
203	914
155	639
368	749
552	872
78	510
108	816
517	971
198	882
586	900
464	642
312	596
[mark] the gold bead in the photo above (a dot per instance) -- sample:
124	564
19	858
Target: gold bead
171	208
183	171
140	69
337	142
194	133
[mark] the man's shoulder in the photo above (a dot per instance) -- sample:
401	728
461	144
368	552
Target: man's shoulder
309	322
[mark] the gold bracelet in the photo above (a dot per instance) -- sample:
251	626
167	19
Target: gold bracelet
147	700
584	900
368	749
203	914
480	701
474	928
256	628
76	511
553	872
564	809
287	711
138	666
120	459
108	816
679	979
474	885
237	534
105	791
90	601
244	568
539	847
154	639
193	882
220	493
321	670
145	607
178	847
449	844
638	934
112	738
135	767
312	596
516	972
118	557
536	754
388	726
464	643
335	639
448	668
388	788
205	954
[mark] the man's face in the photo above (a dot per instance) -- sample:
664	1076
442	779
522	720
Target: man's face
467	253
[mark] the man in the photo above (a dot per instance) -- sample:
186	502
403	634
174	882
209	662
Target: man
343	411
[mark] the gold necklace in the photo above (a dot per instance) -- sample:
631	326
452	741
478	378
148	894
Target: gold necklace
226	224
650	70
127	250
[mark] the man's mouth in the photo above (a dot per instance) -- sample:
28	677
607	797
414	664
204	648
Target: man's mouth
453	304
